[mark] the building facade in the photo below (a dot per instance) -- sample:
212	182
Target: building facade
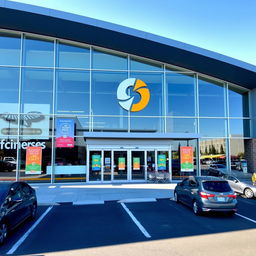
87	101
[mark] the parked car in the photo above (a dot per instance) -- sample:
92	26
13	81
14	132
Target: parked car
204	194
217	170
17	203
241	187
10	159
6	166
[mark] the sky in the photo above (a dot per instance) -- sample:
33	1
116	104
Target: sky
223	26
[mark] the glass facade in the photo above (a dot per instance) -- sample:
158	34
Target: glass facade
43	80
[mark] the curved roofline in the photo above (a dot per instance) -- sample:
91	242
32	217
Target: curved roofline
29	18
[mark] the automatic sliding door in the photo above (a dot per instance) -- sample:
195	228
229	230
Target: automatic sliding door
138	165
95	166
120	165
107	162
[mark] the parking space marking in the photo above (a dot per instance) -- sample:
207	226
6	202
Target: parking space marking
142	229
254	221
23	238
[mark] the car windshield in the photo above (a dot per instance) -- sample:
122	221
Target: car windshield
216	186
220	166
3	192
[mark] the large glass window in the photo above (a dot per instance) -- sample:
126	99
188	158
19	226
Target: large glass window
181	125
212	127
211	98
181	94
38	52
105	60
9	49
9	90
110	124
239	127
104	89
71	56
37	91
238	102
138	64
146	124
154	82
72	95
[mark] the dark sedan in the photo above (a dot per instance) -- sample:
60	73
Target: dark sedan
18	202
204	194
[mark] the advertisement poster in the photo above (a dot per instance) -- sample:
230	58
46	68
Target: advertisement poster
186	159
65	133
161	162
136	163
96	163
121	163
33	160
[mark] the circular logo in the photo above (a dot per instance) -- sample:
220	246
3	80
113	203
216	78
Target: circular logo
126	101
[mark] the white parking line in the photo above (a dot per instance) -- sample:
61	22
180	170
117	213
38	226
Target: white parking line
254	221
22	239
142	229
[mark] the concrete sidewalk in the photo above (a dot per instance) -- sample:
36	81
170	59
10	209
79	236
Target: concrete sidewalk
78	194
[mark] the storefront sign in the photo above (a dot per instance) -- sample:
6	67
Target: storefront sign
33	160
121	163
186	159
96	162
11	144
65	133
161	162
136	163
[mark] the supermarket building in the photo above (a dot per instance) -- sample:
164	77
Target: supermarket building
89	101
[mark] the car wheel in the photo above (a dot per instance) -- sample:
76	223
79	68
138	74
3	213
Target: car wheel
176	198
3	232
33	211
248	193
196	208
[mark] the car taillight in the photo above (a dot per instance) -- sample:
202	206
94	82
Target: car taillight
232	196
206	195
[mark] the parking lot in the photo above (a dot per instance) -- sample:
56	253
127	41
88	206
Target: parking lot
159	227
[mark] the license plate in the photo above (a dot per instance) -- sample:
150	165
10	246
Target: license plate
221	199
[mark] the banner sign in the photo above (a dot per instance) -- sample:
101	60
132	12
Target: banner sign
121	163
136	163
96	162
186	159
65	133
33	160
161	163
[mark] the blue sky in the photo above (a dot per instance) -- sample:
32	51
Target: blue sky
224	26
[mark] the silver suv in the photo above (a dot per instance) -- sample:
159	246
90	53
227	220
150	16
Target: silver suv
204	194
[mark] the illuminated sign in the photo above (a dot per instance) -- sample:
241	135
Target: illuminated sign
126	101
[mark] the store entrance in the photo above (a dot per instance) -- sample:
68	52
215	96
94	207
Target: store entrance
126	165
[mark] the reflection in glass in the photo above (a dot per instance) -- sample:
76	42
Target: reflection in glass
154	82
212	151
9	90
105	60
72	95
181	125
239	127
107	163
110	124
211	98
138	165
71	56
212	127
138	64
120	165
9	49
104	88
181	94
146	124
37	92
95	166
238	102
38	52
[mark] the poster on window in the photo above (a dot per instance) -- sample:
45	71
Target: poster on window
96	163
186	159
33	160
161	163
121	163
65	133
136	163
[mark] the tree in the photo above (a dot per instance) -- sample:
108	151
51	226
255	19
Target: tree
222	149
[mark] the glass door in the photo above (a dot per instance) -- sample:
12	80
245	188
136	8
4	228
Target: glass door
120	165
138	165
95	165
107	164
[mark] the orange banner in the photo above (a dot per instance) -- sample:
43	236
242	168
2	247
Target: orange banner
186	159
33	160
